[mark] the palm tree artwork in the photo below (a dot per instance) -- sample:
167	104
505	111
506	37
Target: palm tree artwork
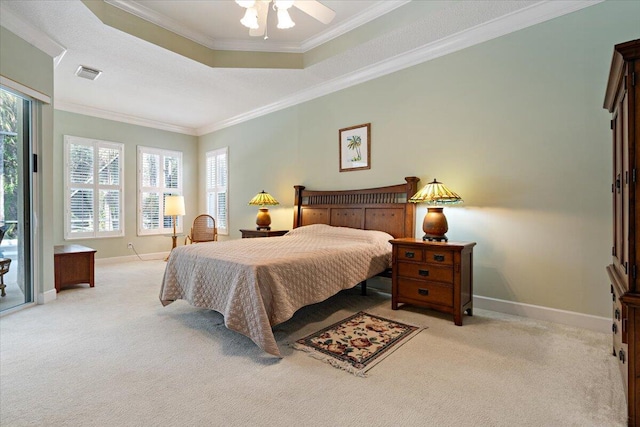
354	143
355	147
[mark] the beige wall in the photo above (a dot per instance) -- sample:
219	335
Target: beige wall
515	125
131	136
24	64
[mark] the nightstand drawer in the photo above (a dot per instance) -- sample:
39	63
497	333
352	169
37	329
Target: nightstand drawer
428	292
440	257
426	271
410	253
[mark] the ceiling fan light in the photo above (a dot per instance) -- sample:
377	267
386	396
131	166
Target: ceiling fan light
246	3
250	19
284	20
283	4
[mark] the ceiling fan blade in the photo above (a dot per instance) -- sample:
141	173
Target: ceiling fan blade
316	10
263	11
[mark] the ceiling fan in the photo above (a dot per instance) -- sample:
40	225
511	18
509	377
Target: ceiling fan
255	18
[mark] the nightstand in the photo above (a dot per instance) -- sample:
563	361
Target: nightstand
436	275
248	233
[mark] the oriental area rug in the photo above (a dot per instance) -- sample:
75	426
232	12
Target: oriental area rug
357	343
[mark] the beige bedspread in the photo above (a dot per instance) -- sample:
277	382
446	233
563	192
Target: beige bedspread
261	282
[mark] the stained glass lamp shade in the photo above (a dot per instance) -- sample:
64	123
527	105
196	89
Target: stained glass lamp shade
262	199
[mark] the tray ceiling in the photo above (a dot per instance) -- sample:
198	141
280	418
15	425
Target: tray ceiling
152	77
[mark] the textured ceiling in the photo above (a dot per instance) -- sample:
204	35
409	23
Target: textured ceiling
147	84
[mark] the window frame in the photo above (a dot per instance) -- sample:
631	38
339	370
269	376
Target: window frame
161	188
96	187
217	189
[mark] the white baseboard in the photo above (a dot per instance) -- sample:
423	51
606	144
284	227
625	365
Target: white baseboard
47	296
129	258
571	318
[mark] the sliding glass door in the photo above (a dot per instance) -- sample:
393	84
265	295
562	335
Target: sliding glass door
16	285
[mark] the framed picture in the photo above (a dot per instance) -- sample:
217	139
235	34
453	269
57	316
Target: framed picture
355	147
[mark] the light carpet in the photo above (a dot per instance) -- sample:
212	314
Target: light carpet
113	356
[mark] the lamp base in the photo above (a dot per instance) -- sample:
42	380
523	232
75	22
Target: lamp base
263	220
435	225
432	238
174	243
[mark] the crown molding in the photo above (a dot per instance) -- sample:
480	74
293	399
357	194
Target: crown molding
119	117
31	35
344	27
520	19
143	12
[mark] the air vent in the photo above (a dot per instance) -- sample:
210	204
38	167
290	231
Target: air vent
88	73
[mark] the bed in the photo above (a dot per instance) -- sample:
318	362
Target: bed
339	239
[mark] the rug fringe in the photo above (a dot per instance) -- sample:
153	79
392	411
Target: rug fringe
330	360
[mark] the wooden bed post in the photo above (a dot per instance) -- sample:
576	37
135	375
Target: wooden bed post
410	218
297	214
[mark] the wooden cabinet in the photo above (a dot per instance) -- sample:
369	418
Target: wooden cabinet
622	99
248	233
73	264
437	275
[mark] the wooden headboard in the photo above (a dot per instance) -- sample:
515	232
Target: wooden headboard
383	208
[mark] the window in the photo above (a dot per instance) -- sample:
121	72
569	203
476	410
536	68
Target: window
217	178
159	175
94	188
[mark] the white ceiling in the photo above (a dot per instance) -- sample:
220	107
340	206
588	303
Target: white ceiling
145	84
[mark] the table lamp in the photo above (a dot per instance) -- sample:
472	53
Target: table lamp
435	223
262	199
174	206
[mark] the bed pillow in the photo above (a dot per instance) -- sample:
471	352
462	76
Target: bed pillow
347	233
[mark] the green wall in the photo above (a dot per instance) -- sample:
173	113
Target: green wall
515	125
25	64
29	66
131	136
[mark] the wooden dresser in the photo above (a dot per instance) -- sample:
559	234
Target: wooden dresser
437	275
622	99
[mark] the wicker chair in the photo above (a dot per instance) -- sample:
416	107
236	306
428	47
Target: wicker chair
3	230
203	230
5	263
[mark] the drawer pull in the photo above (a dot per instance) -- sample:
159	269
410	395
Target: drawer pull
424	273
617	314
423	292
438	257
409	255
614	328
621	355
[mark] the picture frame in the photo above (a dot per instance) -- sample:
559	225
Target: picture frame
355	147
